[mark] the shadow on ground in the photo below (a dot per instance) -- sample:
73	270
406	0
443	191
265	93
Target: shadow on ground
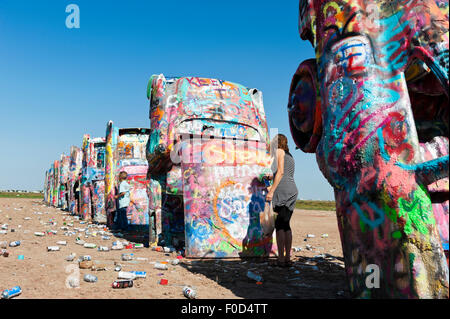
322	277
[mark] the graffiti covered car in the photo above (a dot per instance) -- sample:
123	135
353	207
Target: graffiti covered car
76	157
373	106
207	151
125	151
92	189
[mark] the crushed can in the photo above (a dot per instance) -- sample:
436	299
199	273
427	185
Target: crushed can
189	293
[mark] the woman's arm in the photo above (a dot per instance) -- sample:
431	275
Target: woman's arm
278	175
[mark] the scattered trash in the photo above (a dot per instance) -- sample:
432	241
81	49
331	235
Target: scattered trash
117	246
141	258
139	274
126	257
99	268
11	293
161	266
138	245
118	268
62	243
254	276
324	235
79	242
103	248
85	264
52	248
71	257
14	243
189	293
3	244
297	249
309	247
163	282
4	253
175	262
122	284
3	232
90	278
126	275
310	236
89	245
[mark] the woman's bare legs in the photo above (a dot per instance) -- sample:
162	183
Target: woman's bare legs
287	245
281	243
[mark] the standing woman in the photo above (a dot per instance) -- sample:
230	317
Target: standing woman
283	194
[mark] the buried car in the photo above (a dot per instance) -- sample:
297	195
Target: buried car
207	154
92	190
125	151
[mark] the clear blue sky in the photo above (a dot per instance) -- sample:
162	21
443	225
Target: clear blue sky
57	83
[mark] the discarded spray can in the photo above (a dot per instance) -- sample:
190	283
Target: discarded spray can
11	293
122	284
90	278
118	268
254	276
61	242
52	248
297	249
138	245
14	243
126	257
86	257
106	237
89	245
161	266
324	235
126	275
139	274
40	234
71	257
189	293
3	231
175	262
103	248
3	244
4	253
311	236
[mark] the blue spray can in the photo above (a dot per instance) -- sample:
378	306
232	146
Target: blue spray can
11	293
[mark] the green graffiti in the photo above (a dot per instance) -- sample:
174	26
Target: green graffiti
418	213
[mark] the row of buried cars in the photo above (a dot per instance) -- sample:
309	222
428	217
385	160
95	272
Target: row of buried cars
197	175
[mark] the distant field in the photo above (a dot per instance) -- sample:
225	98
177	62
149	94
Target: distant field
21	195
316	205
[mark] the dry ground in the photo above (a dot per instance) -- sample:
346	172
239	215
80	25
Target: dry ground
43	274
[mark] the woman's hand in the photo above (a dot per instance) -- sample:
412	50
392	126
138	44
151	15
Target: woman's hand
269	196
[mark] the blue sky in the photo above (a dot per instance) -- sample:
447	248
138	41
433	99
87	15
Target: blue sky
57	83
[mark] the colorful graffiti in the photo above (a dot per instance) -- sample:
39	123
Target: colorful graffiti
92	179
373	106
76	157
125	151
207	152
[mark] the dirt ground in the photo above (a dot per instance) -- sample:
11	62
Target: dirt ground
43	274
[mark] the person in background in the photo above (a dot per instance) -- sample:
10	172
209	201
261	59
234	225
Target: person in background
283	194
124	202
76	188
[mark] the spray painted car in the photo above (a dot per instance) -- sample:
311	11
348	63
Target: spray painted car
207	152
55	184
76	157
373	106
47	187
92	197
63	179
125	151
